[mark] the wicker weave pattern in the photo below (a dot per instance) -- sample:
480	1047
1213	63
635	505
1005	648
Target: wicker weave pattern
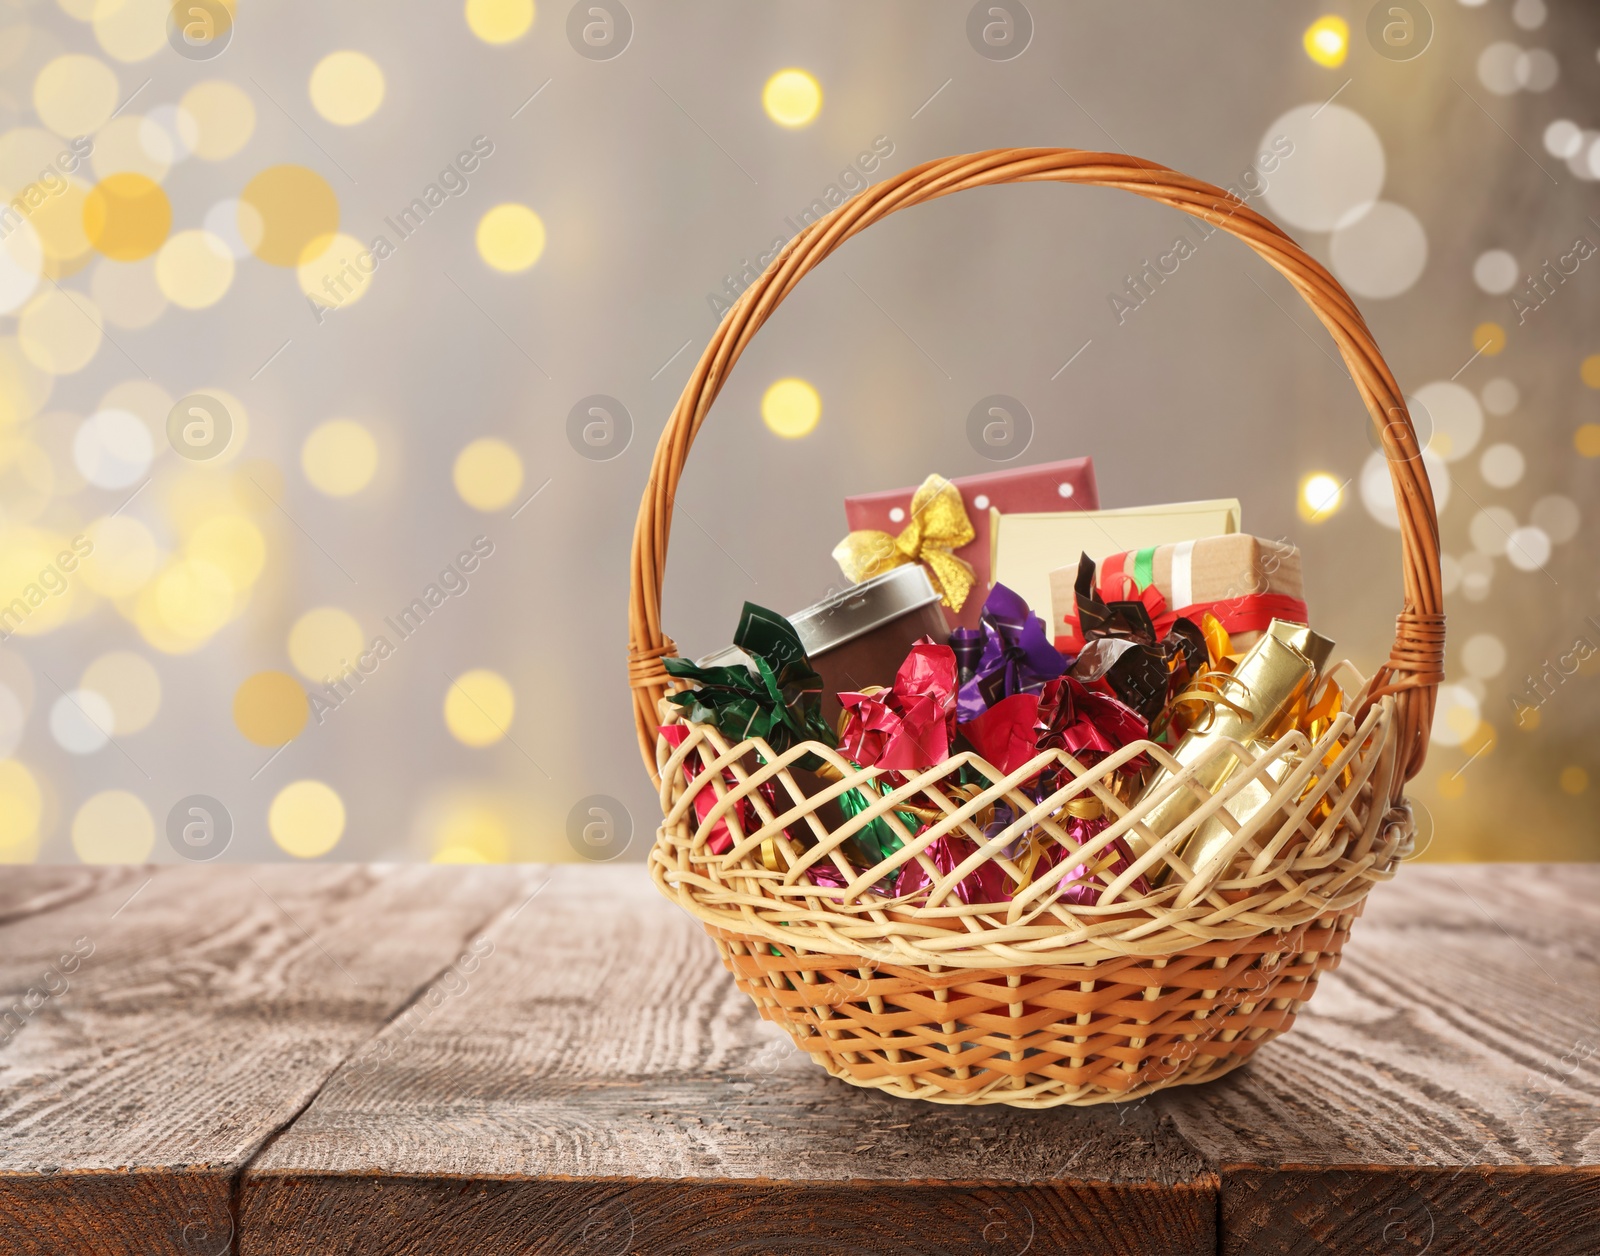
1039	1036
1040	1001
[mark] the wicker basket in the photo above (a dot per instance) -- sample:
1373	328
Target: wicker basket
1038	1001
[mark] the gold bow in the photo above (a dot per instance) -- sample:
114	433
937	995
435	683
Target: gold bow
939	525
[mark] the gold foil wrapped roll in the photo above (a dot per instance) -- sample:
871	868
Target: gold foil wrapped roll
1257	700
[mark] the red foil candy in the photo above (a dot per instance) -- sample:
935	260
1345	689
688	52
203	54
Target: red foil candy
910	725
720	839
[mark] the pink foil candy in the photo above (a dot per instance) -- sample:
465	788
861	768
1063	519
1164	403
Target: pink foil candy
909	726
720	839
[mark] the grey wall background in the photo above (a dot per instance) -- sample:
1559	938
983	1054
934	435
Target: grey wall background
656	173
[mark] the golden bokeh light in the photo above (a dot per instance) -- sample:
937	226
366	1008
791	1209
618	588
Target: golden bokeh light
288	215
791	408
1573	780
194	269
59	225
127	292
1488	339
124	558
224	116
792	98
499	21
75	94
346	87
488	474
21	809
339	274
1586	440
478	707
59	331
339	457
1327	41
1321	497
232	544
113	827
306	819
127	216
1589	370
510	237
324	643
131	687
471	832
131	30
270	708
34	603
193	598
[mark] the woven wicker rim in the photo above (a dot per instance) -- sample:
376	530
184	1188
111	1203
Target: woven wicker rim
1416	661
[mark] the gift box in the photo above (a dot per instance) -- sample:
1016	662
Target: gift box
1244	581
1027	548
1047	487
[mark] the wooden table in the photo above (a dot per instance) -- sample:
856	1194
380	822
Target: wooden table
321	1058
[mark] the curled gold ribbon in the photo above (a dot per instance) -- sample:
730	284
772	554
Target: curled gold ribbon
938	526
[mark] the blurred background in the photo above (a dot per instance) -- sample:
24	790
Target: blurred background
336	338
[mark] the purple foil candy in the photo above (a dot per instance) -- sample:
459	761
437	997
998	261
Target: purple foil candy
1017	657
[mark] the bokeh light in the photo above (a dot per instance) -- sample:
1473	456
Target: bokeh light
59	330
127	216
194	269
131	30
510	237
339	274
113	827
306	819
288	215
1327	41
339	457
324	643
499	21
792	98
1488	339
478	707
488	474
230	543
791	408
112	449
21	809
130	686
81	721
224	116
124	558
1589	370
75	94
1321	496
346	87
472	832
270	708
21	264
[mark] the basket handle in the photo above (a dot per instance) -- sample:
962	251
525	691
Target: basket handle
1416	663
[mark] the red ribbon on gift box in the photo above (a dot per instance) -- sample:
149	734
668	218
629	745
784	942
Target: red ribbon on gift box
1249	612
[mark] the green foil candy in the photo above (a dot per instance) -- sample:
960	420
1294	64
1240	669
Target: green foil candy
780	702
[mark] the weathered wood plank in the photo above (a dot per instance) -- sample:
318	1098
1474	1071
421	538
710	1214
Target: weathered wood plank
26	892
180	1031
1442	1087
597	1074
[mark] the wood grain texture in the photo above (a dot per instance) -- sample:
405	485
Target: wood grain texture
420	1060
1441	1093
201	1013
599	1057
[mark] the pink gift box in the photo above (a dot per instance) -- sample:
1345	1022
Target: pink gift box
1048	486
